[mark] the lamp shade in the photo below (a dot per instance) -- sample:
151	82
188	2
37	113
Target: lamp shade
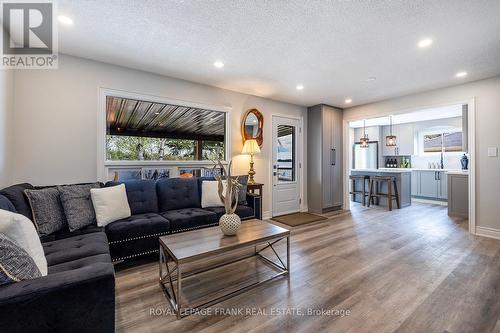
250	147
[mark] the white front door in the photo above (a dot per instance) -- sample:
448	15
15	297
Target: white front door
285	170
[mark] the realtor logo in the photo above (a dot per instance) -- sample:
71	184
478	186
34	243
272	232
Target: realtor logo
29	36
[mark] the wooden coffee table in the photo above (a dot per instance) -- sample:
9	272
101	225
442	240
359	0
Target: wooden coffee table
176	250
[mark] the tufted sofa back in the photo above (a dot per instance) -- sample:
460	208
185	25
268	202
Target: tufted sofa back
178	193
141	195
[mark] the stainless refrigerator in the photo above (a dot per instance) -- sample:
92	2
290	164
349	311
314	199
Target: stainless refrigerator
365	158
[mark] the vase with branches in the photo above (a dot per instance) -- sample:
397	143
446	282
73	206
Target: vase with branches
228	190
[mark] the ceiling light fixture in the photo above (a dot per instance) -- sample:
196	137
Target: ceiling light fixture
364	140
218	64
390	140
348	101
299	87
371	78
461	74
65	20
425	43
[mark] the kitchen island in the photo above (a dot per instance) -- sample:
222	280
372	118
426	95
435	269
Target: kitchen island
403	182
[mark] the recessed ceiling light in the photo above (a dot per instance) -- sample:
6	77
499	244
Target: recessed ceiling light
426	42
299	87
348	101
461	74
371	78
65	20
218	64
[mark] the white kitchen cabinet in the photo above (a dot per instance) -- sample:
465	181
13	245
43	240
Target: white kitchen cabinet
404	139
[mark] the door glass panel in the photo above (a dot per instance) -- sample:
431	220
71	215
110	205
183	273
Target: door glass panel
286	153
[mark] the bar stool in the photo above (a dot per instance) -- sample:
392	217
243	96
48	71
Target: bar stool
374	193
354	178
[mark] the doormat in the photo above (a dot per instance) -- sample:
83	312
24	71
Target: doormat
297	219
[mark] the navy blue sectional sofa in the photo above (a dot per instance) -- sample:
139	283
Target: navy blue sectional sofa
78	294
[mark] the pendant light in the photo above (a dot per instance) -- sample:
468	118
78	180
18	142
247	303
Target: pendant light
364	140
390	140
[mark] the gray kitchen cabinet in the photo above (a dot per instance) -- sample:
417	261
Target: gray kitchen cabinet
442	185
324	156
415	181
429	184
405	140
458	194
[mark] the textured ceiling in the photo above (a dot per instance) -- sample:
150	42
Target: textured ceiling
269	47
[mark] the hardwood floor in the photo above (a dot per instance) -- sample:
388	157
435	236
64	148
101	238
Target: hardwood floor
409	270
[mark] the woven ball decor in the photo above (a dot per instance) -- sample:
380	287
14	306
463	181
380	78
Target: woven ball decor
229	224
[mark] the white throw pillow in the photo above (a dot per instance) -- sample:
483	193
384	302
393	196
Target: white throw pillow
110	204
22	231
210	193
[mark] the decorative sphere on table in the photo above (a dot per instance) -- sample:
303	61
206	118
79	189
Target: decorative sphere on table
229	224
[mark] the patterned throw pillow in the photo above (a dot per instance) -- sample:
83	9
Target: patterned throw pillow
48	213
15	263
77	205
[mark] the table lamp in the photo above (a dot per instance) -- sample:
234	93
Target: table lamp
251	147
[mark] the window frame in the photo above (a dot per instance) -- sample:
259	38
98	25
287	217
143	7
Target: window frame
430	131
103	164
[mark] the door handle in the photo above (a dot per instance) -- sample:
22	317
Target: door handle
334	156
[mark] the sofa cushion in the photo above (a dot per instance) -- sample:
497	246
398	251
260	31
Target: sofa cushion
188	218
48	212
135	226
77	247
110	204
66	233
16	196
77	205
242	211
5	204
79	263
178	193
141	195
15	263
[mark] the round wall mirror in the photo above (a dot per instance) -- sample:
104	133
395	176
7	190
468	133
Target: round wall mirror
251	126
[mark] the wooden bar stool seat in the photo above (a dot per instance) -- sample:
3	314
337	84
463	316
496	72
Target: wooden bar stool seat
355	192
392	190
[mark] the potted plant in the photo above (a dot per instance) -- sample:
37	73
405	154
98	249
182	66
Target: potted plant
228	188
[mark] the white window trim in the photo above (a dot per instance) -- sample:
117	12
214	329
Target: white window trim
103	164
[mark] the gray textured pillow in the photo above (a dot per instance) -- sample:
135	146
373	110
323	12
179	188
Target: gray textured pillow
15	263
242	194
77	205
48	213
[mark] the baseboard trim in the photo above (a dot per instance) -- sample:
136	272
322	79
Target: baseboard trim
488	232
267	215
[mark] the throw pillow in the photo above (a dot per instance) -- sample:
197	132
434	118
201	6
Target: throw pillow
48	213
210	193
110	204
77	205
15	263
22	231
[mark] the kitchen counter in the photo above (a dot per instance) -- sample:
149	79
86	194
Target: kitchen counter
403	182
423	169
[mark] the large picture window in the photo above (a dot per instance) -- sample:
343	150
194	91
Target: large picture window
147	131
437	142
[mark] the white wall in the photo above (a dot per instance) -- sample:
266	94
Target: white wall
487	94
55	123
6	111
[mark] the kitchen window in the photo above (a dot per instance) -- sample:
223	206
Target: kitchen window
435	142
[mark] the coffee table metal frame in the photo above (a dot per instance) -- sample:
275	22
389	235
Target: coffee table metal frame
174	274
